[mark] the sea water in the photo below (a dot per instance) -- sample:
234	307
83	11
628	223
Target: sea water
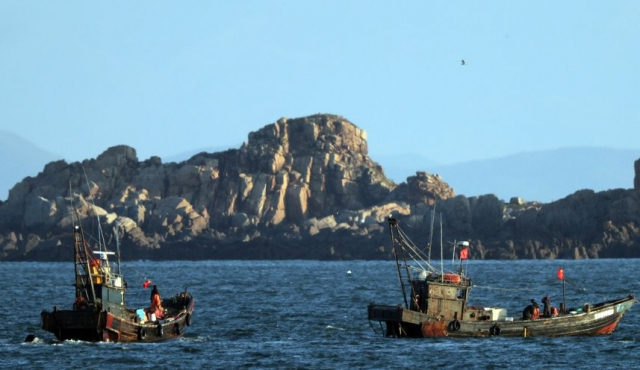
313	315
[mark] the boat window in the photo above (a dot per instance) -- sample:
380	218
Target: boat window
461	293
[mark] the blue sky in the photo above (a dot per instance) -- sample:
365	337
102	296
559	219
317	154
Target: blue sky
169	77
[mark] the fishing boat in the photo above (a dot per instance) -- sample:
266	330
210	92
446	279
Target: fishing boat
436	304
99	313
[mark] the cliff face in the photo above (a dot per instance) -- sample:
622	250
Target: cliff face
299	188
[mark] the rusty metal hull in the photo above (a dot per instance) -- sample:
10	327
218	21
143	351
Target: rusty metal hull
599	319
102	326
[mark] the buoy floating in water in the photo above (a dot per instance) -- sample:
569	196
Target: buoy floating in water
348	272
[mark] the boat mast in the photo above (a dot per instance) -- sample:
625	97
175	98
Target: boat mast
83	258
453	255
393	224
80	255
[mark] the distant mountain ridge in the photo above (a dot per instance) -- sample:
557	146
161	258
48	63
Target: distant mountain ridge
20	158
542	176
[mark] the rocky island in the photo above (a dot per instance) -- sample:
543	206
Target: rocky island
301	188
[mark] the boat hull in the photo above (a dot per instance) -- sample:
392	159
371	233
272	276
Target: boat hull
599	319
101	326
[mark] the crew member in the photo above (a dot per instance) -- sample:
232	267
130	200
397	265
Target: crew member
156	303
532	312
546	312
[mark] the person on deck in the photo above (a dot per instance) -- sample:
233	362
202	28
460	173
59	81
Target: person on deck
546	311
532	312
156	303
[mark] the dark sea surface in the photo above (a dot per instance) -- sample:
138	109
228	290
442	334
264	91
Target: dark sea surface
313	315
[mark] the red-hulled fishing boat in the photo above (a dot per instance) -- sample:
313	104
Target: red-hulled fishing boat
99	312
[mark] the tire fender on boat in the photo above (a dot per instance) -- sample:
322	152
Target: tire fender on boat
495	330
142	334
454	325
176	329
160	331
188	319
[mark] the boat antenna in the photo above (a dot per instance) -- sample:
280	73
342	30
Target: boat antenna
433	216
115	231
73	210
441	252
453	255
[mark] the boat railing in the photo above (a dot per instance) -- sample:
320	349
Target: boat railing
451	278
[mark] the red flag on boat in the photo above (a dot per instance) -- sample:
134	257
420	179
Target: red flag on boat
146	284
561	273
464	253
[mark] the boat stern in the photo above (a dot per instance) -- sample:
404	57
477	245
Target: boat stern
71	324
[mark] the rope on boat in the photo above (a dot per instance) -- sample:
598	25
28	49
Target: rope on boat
503	289
413	249
374	329
144	277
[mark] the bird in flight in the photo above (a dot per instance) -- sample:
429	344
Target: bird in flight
463	62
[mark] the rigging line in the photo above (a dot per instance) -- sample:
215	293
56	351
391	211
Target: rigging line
136	271
401	244
503	289
419	262
404	244
414	249
416	252
412	254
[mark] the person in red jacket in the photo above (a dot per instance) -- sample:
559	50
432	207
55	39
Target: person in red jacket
156	303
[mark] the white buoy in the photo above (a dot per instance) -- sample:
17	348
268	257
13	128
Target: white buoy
348	272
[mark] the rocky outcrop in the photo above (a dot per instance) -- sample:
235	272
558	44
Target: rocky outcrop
298	188
287	173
